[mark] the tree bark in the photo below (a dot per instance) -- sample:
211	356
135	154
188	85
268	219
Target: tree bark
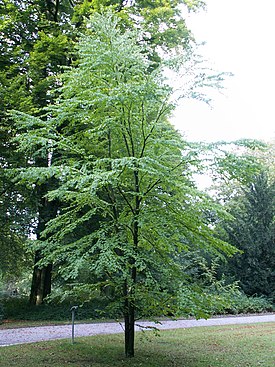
129	296
129	322
41	282
42	275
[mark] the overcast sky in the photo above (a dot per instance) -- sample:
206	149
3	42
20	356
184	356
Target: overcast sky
240	38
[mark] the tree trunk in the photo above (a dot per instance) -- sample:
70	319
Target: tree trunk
42	275
41	282
129	296
129	322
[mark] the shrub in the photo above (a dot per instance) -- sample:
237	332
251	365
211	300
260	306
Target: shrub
220	299
20	309
1	312
241	303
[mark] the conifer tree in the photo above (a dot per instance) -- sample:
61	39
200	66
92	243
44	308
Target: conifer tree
252	231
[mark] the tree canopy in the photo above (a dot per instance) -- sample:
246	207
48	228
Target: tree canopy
36	42
128	200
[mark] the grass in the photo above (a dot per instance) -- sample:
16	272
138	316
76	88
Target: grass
219	346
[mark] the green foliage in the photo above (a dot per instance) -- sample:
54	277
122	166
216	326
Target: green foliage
267	157
220	299
203	294
206	292
193	302
13	255
235	161
104	154
240	303
252	231
160	23
29	63
36	41
1	312
14	213
16	308
128	199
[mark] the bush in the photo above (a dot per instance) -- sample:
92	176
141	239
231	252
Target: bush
1	312
20	309
192	302
220	299
241	303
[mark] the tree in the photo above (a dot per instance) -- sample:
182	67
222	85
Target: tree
266	157
32	50
36	42
161	21
125	177
251	230
13	234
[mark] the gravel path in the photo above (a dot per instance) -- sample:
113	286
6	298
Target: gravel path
35	334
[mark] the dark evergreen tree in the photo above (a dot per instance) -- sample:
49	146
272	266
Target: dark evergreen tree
252	230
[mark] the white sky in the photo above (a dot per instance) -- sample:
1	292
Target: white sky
240	38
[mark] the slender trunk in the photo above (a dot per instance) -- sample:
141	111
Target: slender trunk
129	322
129	307
129	315
129	294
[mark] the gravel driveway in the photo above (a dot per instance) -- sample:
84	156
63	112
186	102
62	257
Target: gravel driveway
35	334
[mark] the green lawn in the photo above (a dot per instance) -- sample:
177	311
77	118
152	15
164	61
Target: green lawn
223	346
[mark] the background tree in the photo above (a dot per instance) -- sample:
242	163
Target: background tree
252	230
32	50
122	176
267	158
13	233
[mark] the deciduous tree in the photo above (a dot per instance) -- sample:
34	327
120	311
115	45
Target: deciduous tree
35	42
125	177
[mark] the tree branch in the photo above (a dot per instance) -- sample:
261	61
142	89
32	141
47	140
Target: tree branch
55	16
127	201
